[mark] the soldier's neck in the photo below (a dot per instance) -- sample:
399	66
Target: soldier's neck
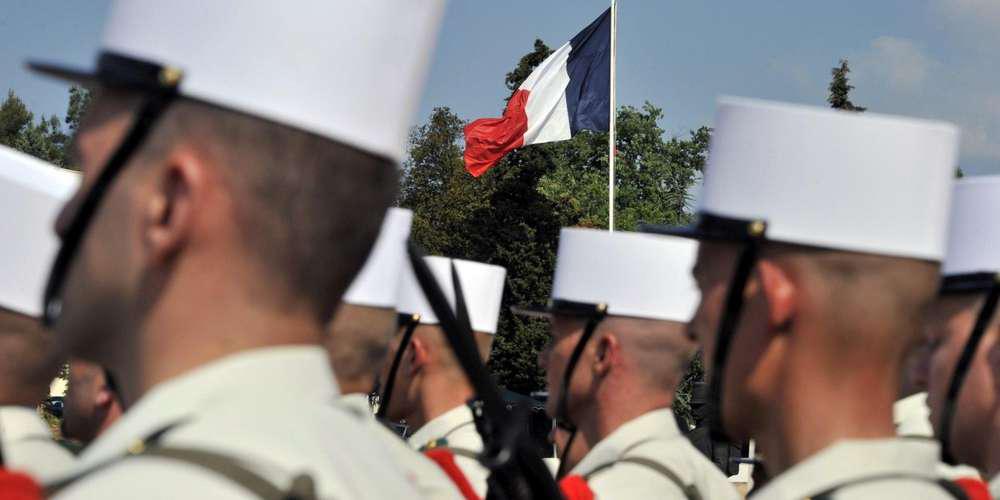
175	342
616	407
816	408
991	468
438	397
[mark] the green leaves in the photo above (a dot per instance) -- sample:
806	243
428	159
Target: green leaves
44	138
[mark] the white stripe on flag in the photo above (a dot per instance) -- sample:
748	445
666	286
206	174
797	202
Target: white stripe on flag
548	117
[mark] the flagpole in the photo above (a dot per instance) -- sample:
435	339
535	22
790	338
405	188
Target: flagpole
611	123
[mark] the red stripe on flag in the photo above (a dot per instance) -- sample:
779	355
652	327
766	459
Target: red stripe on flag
487	140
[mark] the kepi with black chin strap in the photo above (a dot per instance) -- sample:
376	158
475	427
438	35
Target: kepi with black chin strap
822	178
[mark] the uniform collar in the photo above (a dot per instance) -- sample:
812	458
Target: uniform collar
19	422
272	374
441	426
912	417
356	403
847	460
995	486
655	425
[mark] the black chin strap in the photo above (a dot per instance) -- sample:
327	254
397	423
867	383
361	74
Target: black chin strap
152	108
724	336
409	324
564	452
986	314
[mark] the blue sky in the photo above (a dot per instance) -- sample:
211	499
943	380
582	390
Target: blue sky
928	58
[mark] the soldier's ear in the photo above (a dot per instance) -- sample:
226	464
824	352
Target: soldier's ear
417	355
607	353
176	197
778	289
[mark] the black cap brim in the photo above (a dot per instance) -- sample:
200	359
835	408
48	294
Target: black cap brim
532	312
61	72
691	231
711	227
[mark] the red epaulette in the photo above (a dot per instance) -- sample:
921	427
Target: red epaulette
18	486
975	489
445	459
575	487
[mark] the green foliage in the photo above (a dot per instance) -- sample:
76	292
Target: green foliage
44	138
511	216
840	89
526	65
682	402
14	118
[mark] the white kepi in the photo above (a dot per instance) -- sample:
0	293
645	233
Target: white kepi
31	194
377	285
860	182
623	274
973	236
349	71
971	266
482	290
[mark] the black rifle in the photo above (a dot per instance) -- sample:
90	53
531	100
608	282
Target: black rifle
517	472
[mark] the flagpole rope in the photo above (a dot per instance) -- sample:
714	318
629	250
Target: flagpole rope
611	123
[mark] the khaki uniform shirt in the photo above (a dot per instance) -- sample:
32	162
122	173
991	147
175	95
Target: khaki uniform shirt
995	486
271	408
653	436
423	474
850	460
456	429
28	445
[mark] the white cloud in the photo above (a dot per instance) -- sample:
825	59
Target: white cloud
899	62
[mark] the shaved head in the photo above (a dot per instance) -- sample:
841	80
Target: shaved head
357	342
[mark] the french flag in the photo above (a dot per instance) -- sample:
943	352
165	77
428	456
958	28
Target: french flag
568	92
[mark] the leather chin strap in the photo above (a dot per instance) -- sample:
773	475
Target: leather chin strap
409	326
562	407
962	367
151	109
726	331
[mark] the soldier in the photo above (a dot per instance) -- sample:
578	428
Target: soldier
619	348
822	233
359	336
238	158
961	328
31	192
92	402
430	392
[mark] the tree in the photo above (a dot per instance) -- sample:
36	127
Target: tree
14	117
44	138
79	99
840	89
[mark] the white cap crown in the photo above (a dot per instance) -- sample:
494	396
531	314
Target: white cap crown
634	274
974	233
834	179
31	194
482	287
350	71
377	285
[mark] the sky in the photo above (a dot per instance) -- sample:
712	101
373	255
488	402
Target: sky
924	58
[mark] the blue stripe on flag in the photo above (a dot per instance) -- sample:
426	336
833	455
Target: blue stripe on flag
588	94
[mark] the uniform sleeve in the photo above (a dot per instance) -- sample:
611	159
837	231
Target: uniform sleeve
153	479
